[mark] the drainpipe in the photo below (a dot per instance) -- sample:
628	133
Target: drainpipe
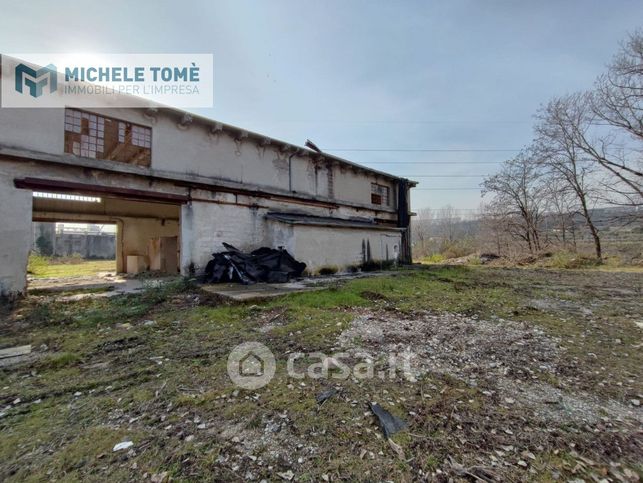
290	169
403	220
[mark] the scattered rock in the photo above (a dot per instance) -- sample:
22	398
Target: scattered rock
287	475
159	477
123	445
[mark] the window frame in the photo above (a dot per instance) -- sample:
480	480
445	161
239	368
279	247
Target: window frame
137	136
380	194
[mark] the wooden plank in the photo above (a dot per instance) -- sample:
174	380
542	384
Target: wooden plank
15	351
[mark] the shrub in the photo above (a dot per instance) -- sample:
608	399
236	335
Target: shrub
329	270
44	245
566	259
37	262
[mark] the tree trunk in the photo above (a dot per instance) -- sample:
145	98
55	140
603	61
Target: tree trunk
597	241
592	229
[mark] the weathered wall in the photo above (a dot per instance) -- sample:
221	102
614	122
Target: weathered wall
205	226
355	187
15	236
40	130
194	149
87	245
134	235
322	247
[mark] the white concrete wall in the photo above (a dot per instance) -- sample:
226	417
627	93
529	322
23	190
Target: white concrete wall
41	130
205	226
319	247
135	234
195	150
15	236
356	187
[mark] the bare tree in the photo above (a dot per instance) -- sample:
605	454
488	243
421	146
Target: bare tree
493	234
618	98
588	152
447	221
559	153
602	147
422	231
519	194
617	101
562	205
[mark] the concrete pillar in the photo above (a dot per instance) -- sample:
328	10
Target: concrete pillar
120	263
15	237
187	240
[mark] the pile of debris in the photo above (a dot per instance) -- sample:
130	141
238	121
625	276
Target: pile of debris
261	265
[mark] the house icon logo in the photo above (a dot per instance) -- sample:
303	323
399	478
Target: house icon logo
251	365
36	80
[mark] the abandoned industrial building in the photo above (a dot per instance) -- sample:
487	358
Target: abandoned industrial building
178	185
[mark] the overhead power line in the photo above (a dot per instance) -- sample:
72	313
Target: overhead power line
423	150
432	162
443	175
241	122
444	189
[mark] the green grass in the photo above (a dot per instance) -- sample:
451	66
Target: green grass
106	375
46	267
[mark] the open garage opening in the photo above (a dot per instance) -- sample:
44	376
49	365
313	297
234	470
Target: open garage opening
98	239
72	249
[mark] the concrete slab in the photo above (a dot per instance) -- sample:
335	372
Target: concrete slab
15	351
16	355
113	284
242	293
68	284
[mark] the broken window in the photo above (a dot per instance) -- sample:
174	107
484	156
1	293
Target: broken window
94	136
379	194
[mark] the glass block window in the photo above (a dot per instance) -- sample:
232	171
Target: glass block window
379	194
94	136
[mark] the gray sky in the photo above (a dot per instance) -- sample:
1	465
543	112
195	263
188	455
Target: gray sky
440	75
